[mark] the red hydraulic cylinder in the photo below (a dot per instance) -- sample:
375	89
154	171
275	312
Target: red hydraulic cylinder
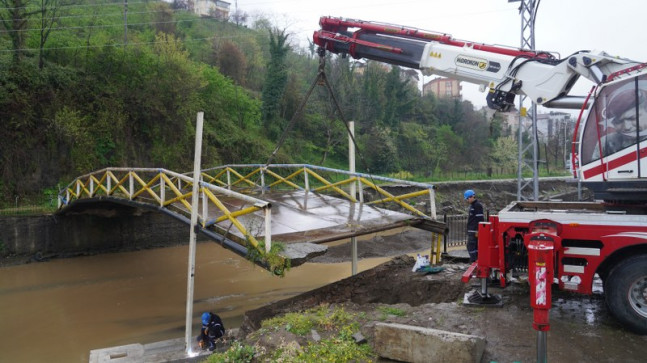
541	267
487	246
541	257
488	251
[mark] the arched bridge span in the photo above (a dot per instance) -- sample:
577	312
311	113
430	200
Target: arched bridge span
249	206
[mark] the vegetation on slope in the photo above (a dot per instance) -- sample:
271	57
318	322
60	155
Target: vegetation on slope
82	89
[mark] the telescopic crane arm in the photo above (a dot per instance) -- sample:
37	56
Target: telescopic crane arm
506	72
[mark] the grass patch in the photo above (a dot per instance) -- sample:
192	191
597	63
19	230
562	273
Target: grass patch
238	353
337	349
337	345
388	310
30	210
303	322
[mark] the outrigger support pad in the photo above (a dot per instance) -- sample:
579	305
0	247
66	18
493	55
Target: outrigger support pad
482	298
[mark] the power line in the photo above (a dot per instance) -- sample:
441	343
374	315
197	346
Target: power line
96	15
105	26
76	5
118	44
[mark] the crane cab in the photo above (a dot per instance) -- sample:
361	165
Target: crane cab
613	141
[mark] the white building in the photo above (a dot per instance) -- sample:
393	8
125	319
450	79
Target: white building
212	8
552	124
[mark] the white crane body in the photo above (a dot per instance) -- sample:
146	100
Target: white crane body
605	238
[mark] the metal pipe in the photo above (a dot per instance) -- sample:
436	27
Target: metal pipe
351	158
192	236
542	347
353	243
484	286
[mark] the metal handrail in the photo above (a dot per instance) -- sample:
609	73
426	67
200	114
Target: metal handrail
137	183
260	172
172	191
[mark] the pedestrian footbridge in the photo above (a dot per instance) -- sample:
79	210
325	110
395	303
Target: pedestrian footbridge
248	208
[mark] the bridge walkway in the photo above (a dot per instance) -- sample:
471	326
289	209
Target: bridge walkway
249	206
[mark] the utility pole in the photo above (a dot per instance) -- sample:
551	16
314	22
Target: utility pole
528	11
237	15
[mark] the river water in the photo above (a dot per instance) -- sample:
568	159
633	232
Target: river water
58	311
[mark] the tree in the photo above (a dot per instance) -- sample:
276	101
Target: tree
232	62
445	146
474	130
379	151
371	96
275	81
415	147
239	17
180	4
505	154
398	97
163	18
14	18
48	17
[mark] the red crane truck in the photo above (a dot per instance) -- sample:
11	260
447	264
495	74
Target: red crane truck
568	244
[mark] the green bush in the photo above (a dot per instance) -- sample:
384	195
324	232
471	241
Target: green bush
339	347
276	263
237	353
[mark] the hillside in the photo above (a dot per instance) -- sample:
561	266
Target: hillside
79	93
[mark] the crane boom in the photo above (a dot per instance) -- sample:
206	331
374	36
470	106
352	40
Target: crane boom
505	71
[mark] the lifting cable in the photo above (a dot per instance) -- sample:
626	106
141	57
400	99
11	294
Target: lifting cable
321	79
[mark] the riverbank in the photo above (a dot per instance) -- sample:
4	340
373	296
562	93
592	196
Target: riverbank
581	329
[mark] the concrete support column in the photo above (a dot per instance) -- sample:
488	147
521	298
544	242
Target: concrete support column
353	243
268	229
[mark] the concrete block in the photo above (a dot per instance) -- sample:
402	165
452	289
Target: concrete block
121	354
415	344
299	253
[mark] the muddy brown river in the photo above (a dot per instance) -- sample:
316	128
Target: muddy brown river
58	311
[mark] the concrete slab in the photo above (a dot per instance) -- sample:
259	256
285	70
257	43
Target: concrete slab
120	354
299	253
415	344
164	351
299	216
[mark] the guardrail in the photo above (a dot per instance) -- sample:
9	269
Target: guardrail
167	189
261	178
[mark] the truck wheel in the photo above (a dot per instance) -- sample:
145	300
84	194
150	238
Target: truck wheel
625	292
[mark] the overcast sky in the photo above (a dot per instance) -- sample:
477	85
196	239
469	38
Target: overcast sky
618	27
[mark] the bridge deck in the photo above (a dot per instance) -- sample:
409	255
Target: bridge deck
300	216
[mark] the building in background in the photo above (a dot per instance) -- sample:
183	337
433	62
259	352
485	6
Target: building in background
554	124
443	88
210	8
411	75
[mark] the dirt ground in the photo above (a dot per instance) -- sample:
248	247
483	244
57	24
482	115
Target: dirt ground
581	329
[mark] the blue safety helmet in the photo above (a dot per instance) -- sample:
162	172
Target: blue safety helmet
205	318
468	193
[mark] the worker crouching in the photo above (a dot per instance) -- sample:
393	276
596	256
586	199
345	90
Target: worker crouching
212	329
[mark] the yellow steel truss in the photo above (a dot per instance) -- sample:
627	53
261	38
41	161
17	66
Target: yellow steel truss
136	183
168	189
